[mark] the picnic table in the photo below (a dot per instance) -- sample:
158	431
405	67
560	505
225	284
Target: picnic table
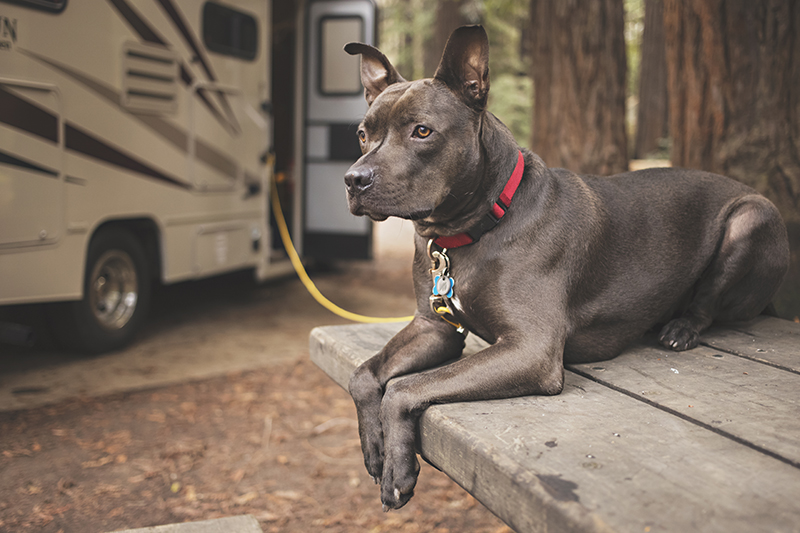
653	440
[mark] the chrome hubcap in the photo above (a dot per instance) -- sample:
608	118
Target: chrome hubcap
113	289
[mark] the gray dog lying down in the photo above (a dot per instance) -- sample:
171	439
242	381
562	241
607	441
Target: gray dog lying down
547	266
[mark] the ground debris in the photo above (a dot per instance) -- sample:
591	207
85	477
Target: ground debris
279	443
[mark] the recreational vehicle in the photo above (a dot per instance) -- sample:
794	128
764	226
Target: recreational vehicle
138	139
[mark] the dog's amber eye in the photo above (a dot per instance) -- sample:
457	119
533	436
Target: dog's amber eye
362	136
422	131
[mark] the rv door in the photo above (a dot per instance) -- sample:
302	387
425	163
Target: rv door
334	106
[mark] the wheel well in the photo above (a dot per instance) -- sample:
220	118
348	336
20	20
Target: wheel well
146	231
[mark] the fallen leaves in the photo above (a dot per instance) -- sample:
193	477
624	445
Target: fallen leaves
245	498
184	448
292	495
107	489
10	454
98	463
334	422
64	484
238	475
266	516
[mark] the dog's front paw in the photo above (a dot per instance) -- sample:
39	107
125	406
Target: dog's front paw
400	464
372	448
367	395
679	335
399	478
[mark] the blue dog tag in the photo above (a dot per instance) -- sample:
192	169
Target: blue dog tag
443	286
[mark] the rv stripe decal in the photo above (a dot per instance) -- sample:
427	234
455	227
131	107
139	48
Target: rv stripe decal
105	91
201	93
9	159
175	136
186	78
24	115
177	19
180	23
137	23
148	34
82	142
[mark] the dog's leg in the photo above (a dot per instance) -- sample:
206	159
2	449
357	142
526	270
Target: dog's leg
743	276
509	368
422	344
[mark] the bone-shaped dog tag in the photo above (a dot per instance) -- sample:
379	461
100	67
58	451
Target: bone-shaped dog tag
443	286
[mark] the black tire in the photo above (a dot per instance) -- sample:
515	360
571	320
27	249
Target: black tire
116	296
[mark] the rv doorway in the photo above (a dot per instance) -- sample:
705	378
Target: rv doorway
284	108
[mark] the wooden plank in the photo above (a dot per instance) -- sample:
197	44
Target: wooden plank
338	350
610	460
769	340
755	403
590	459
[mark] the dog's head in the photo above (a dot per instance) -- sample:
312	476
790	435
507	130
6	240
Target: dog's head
420	140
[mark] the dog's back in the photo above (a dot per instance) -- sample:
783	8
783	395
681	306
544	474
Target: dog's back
659	248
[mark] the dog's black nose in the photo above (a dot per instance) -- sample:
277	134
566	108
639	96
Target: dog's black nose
358	179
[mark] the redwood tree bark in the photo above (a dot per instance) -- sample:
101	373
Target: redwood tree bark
652	116
734	89
449	16
579	73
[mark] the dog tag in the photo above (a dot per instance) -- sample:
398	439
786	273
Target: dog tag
443	286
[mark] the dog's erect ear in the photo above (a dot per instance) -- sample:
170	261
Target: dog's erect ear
465	65
377	73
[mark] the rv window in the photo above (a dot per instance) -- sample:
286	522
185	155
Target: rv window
339	72
47	5
230	32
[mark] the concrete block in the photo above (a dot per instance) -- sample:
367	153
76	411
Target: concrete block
231	524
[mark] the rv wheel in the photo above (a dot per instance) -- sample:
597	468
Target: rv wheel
116	294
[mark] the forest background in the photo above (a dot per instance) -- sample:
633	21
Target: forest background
591	85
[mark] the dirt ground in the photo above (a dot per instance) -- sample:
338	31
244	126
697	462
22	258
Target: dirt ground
278	441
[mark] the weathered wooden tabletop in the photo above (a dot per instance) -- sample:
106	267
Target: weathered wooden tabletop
703	440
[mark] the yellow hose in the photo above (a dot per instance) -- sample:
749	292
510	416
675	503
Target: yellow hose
303	275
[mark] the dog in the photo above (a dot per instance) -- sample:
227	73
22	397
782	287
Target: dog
547	266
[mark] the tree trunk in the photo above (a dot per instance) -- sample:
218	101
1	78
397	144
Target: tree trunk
652	116
734	86
449	16
579	74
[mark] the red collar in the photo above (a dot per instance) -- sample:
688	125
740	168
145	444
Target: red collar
492	218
